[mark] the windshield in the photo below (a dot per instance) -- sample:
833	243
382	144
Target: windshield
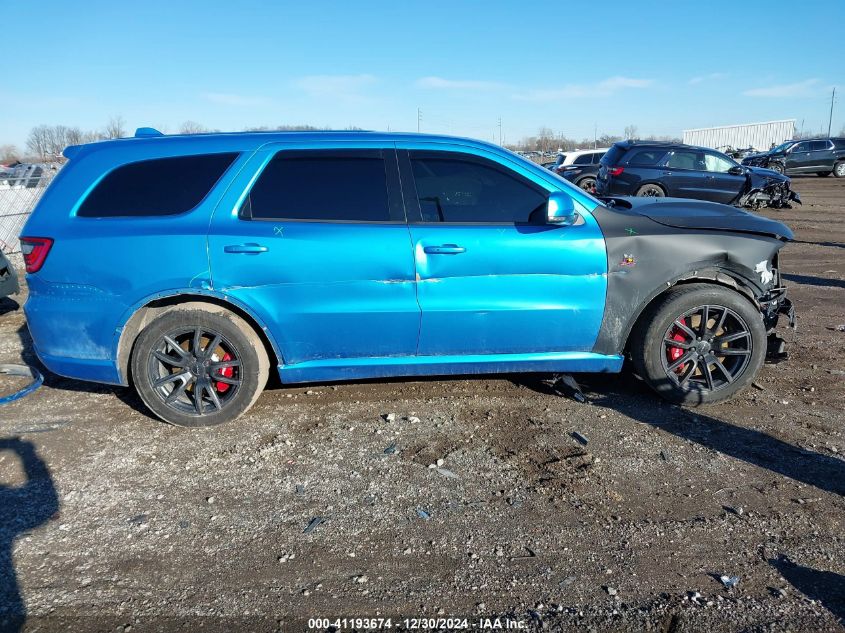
781	148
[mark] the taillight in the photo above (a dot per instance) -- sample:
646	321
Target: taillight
35	250
615	171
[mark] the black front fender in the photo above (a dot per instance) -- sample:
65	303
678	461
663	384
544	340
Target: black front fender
646	258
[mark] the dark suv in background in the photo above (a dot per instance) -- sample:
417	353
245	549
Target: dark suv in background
658	169
813	156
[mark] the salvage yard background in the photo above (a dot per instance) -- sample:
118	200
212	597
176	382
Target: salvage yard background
473	497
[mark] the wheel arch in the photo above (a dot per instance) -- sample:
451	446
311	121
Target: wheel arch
143	314
713	276
651	181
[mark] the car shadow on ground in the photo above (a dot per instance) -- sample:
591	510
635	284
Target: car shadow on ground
825	586
628	395
808	280
23	508
8	305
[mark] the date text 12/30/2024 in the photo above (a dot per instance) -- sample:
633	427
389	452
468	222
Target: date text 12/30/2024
421	624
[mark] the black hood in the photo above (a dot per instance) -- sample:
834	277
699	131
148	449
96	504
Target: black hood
761	174
684	213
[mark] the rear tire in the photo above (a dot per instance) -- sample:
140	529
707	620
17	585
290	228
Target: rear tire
690	365
823	174
587	184
839	169
199	366
651	191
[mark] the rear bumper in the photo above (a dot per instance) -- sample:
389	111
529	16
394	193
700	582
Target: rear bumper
73	330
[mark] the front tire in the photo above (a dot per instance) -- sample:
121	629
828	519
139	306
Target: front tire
699	344
778	167
198	366
651	191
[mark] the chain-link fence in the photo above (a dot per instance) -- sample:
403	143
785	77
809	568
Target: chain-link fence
20	189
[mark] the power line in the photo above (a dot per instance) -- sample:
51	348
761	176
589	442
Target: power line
830	118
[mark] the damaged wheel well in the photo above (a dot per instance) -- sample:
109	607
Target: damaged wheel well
713	277
147	313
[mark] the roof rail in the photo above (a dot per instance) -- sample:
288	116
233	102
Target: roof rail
143	132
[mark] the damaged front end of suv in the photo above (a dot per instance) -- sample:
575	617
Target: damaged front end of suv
766	188
666	250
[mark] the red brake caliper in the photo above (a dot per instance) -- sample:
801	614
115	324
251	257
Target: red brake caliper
674	353
228	372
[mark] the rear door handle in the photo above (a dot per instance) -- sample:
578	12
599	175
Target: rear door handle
247	249
444	249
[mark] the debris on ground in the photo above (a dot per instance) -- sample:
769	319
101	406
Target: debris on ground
424	515
447	473
390	450
565	385
389	417
313	523
579	438
729	581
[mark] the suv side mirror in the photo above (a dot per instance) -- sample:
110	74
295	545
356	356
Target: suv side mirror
560	209
736	170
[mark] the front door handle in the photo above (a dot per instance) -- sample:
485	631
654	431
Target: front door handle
444	249
247	249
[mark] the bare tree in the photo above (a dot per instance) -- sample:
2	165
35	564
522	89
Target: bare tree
116	127
192	127
38	140
631	131
8	153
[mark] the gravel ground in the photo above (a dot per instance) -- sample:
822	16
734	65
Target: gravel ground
474	499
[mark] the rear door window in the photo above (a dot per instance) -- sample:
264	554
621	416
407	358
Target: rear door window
685	159
157	187
819	146
323	185
647	157
463	189
583	159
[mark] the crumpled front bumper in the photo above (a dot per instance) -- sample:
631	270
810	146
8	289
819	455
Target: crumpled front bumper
773	305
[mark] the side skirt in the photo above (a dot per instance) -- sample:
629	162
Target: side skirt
341	369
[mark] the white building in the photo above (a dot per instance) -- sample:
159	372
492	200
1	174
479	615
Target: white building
759	136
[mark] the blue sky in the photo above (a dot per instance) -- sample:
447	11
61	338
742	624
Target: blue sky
570	66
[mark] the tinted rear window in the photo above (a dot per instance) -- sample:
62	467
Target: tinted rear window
162	186
347	186
647	157
613	156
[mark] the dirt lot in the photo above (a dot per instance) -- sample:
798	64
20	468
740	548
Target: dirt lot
111	519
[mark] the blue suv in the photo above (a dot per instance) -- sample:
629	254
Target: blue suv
187	266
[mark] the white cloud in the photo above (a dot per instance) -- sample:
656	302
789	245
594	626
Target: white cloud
338	86
710	77
806	88
229	99
603	88
439	83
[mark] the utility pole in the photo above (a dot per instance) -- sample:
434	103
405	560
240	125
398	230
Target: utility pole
500	130
595	135
830	118
419	119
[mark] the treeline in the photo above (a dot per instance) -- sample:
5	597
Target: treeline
546	140
46	143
